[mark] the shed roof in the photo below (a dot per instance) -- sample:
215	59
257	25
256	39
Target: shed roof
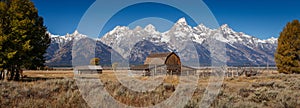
89	67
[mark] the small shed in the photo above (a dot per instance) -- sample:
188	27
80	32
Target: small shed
90	69
169	60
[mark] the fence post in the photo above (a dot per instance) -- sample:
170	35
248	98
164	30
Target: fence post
155	70
5	76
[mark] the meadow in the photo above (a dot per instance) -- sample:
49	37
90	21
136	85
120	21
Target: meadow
59	89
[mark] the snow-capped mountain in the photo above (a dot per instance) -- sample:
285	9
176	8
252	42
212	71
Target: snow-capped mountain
59	53
240	47
61	40
57	42
136	44
122	38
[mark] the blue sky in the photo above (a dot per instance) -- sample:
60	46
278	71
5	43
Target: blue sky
259	18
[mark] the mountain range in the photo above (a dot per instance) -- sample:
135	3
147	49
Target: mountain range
191	43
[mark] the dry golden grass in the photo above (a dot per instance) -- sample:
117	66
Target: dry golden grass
58	89
49	74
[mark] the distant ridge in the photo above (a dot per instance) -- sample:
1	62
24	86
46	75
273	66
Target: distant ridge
241	49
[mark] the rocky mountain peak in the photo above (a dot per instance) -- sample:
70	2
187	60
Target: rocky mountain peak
76	32
226	29
182	21
138	28
150	28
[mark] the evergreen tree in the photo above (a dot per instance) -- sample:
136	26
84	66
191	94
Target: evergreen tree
23	37
287	56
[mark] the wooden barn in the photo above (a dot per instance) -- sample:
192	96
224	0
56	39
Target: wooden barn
90	69
169	62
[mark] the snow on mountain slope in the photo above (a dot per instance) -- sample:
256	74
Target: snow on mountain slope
61	40
135	44
61	52
257	51
122	38
58	42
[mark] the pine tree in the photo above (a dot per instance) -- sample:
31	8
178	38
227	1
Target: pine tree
287	56
23	37
4	23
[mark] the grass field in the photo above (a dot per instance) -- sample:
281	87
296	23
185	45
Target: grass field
59	89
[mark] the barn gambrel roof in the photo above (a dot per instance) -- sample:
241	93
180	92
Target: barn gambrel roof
158	58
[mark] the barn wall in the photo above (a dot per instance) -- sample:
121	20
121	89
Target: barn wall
173	64
173	60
